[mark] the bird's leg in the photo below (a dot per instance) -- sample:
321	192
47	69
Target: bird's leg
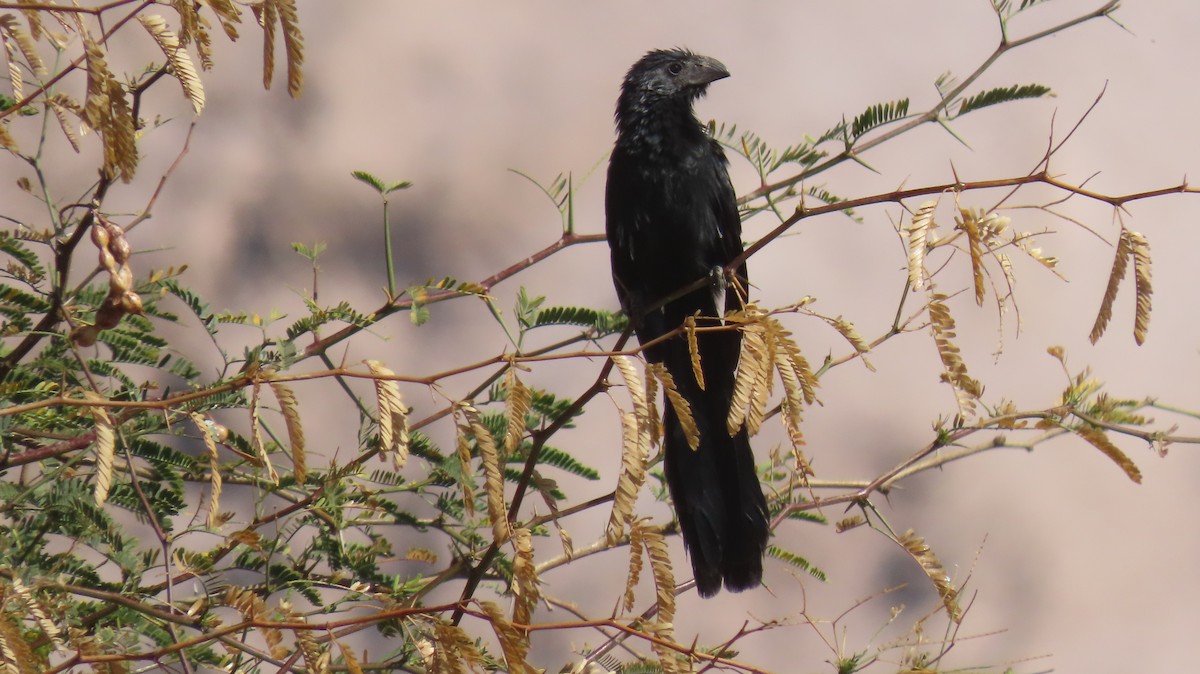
719	285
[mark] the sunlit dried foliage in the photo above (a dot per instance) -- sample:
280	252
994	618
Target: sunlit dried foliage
635	453
493	483
635	565
316	655
1119	265
215	482
253	608
106	446
453	651
349	661
283	12
177	56
664	589
848	332
12	33
107	111
753	378
513	642
1098	439
1130	245
954	370
394	437
921	552
683	410
525	581
16	654
260	447
291	419
967	222
689	329
1141	274
767	348
40	613
918	233
519	398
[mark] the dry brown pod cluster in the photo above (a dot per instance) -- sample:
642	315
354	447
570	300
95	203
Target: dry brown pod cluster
114	257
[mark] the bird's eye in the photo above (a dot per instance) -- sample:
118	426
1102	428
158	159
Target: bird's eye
675	68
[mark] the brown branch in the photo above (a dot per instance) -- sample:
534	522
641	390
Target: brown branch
73	65
933	113
394	306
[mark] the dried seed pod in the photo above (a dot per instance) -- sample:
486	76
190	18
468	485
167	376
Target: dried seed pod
86	335
118	245
122	280
100	236
131	302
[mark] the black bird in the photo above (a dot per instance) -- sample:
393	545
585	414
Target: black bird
672	220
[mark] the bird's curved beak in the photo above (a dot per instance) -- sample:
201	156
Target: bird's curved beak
704	70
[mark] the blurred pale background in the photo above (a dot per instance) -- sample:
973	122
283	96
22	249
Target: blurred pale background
1067	558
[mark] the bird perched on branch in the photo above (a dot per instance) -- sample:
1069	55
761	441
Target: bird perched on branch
673	225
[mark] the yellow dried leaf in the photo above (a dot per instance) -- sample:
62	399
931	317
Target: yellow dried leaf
293	43
316	658
514	643
252	608
954	370
61	104
394	438
215	482
920	551
664	577
7	142
652	414
664	588
452	647
282	12
918	240
633	383
493	482
848	332
689	329
519	399
525	580
635	565
12	30
348	660
228	14
1120	264
40	613
683	410
753	371
968	223
256	434
423	555
634	457
16	655
291	419
848	523
177	56
1025	242
106	446
1098	439
463	450
268	16
1141	276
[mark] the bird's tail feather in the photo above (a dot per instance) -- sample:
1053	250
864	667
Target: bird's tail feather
719	502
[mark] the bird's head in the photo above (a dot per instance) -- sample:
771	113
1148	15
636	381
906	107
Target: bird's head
666	74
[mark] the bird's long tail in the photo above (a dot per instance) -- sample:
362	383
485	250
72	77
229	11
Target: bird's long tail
718	499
